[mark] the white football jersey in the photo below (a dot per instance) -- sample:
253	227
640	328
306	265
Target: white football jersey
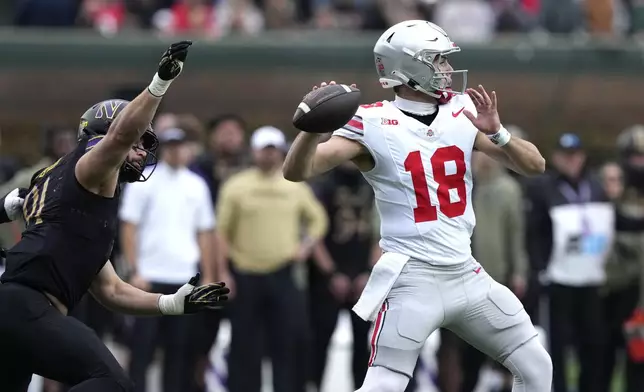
422	178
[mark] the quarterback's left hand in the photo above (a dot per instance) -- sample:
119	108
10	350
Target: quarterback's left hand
191	298
487	118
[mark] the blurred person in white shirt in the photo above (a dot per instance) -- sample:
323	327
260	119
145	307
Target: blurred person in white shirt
167	235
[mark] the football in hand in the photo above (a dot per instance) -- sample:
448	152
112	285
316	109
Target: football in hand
327	108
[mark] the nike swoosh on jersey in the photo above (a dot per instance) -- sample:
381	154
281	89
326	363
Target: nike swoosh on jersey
456	114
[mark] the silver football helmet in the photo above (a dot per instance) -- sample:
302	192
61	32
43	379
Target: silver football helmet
405	55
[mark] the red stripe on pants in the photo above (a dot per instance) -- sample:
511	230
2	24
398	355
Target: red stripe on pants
376	332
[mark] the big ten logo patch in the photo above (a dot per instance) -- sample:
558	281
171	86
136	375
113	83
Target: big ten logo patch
387	121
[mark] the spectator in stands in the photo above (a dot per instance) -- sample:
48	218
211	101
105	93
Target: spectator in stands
498	244
515	15
238	16
341	265
599	16
333	14
210	19
46	13
466	20
195	17
573	230
167	234
279	14
106	16
381	14
225	153
260	217
561	16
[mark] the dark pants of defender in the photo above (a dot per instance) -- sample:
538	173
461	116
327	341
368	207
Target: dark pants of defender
269	303
172	333
37	338
324	317
102	320
618	307
576	320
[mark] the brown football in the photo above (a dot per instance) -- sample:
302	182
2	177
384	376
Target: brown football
327	108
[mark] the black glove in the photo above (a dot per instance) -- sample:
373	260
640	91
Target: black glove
172	61
191	298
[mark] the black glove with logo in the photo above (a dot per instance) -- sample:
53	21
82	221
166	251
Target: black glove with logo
170	67
191	298
172	61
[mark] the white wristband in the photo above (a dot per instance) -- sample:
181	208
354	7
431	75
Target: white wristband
501	138
173	304
158	86
169	306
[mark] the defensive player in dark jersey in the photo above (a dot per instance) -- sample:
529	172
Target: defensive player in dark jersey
71	220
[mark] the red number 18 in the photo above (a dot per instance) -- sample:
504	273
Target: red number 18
425	211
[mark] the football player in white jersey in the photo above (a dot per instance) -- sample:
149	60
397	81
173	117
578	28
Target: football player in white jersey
416	153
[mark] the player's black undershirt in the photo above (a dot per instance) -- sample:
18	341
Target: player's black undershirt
69	233
426	119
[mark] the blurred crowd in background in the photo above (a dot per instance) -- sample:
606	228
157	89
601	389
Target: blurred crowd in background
464	20
297	256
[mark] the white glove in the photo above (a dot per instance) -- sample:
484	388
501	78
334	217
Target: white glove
13	203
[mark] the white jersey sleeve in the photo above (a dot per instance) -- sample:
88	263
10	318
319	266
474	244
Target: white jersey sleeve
365	128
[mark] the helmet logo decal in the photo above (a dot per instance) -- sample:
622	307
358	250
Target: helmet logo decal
108	109
380	66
